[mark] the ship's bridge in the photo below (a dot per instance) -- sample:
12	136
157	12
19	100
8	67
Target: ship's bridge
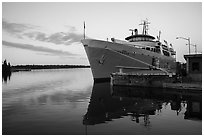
139	37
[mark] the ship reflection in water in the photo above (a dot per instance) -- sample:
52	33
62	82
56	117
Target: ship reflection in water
66	102
160	111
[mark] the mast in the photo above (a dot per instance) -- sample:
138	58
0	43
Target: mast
84	29
145	27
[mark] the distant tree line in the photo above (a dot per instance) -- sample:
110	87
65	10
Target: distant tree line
6	67
6	71
48	66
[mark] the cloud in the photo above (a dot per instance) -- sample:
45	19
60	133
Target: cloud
28	31
73	37
71	28
16	28
65	38
39	36
37	48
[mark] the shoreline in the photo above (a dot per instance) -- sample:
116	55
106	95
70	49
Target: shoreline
18	68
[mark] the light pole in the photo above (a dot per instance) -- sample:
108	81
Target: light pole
194	46
186	39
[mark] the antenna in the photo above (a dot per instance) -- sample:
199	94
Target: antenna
131	31
145	26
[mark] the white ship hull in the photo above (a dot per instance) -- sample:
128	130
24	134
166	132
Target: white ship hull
105	57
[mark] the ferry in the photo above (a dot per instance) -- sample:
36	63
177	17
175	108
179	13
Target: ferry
136	52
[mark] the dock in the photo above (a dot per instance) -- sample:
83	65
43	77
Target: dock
152	78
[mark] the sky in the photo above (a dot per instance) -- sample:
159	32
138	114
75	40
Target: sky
50	33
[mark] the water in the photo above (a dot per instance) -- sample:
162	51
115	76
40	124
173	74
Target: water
68	102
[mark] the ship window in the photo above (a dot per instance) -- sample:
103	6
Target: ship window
166	53
153	49
157	50
147	48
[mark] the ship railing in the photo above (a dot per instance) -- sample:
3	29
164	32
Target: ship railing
126	43
121	68
145	47
142	70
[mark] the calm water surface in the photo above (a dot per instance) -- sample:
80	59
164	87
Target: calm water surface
67	102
